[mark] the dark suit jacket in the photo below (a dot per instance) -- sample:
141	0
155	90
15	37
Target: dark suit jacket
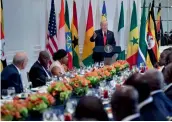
37	75
136	119
163	103
150	112
99	41
10	77
168	92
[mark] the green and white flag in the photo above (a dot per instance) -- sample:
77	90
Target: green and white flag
121	32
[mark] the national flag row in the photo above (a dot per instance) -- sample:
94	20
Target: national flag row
143	48
67	36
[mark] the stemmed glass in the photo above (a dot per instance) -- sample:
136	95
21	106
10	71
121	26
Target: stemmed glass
53	115
70	106
102	64
4	94
11	91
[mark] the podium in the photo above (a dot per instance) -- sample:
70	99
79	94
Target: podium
108	53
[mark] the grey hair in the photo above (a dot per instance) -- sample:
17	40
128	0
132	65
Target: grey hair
17	60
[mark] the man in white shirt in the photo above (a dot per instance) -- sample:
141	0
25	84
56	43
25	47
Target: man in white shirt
39	71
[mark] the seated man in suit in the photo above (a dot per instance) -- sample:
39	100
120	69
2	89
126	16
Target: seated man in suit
168	79
39	71
155	80
148	109
124	104
102	38
11	75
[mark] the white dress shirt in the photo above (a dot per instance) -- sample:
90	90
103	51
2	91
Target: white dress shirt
145	102
131	117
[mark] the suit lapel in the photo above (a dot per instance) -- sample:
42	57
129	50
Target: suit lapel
107	42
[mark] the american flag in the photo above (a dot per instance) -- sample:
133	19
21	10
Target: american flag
51	46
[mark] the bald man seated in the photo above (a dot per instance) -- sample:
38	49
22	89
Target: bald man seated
11	75
39	71
124	104
155	80
103	37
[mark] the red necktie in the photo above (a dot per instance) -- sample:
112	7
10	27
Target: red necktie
105	38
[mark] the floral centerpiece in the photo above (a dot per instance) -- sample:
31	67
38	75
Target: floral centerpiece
39	102
61	91
80	85
120	65
15	110
93	77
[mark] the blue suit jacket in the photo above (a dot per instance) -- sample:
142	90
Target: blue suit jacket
10	77
163	103
37	75
150	112
99	41
168	92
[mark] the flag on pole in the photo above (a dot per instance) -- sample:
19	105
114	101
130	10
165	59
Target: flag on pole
160	36
88	45
121	34
151	39
68	37
104	13
61	32
81	29
3	62
51	46
132	51
155	31
142	55
98	16
74	30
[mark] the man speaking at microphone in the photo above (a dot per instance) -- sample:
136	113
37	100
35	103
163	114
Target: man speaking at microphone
104	44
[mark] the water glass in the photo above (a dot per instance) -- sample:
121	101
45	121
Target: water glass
102	64
4	94
70	107
48	79
53	115
11	91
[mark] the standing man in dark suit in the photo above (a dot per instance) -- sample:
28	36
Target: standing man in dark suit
155	80
11	75
102	38
39	71
124	104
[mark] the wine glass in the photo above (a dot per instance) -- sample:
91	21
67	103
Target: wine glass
4	94
53	115
102	64
70	108
11	91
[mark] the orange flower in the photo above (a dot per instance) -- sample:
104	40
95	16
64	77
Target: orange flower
76	85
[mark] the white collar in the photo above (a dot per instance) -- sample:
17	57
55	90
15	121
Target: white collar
169	85
103	33
17	69
145	102
44	70
156	91
131	117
